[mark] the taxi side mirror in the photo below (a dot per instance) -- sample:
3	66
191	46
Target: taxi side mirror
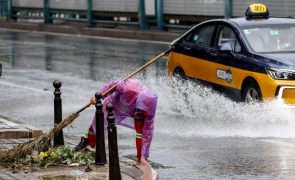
226	48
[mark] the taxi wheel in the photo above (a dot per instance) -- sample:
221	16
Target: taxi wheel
179	74
252	93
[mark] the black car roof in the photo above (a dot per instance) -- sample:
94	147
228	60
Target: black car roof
243	22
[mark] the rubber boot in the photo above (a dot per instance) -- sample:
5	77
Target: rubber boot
138	124
87	139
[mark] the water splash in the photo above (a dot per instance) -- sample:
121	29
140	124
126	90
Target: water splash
185	109
191	109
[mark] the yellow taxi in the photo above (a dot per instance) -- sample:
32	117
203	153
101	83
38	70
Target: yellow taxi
251	58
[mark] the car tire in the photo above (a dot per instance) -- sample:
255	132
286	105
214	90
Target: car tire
179	74
251	92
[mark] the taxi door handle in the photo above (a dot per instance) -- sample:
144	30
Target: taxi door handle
213	54
187	48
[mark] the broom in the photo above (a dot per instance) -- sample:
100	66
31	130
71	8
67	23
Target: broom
41	142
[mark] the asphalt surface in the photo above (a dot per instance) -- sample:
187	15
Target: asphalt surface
202	136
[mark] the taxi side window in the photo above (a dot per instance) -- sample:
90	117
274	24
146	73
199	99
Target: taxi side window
227	35
201	35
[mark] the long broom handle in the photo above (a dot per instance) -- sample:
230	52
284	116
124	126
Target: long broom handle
27	148
127	77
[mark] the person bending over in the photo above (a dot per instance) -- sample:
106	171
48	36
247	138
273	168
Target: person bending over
134	107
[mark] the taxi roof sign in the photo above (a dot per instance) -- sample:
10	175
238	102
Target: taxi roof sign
257	11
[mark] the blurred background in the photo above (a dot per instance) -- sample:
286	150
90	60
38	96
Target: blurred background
143	14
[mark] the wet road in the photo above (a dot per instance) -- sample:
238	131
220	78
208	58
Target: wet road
204	136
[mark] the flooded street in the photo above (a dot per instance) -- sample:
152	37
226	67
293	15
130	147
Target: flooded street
201	136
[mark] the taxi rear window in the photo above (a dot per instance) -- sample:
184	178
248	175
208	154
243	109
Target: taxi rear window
271	38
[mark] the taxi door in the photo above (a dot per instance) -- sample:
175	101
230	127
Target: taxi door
229	66
195	48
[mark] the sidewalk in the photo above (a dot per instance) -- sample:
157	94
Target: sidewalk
13	133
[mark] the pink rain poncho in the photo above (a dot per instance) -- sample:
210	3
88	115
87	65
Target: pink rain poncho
128	96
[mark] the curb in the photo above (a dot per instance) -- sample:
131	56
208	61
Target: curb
136	172
10	129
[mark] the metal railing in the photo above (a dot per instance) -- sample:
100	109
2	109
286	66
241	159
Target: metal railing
90	11
165	13
3	8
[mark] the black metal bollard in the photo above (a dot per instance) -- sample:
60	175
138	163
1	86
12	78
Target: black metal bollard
100	155
114	167
58	137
